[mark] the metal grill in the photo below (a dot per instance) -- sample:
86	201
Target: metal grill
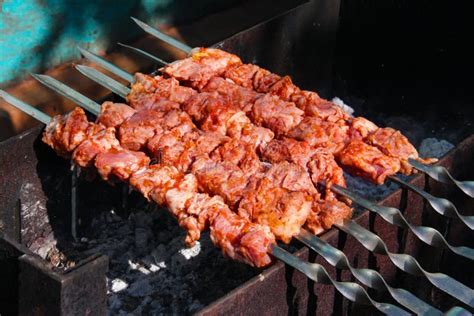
335	257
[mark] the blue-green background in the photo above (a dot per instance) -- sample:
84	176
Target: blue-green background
38	34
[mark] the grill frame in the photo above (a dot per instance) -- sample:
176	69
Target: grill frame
25	159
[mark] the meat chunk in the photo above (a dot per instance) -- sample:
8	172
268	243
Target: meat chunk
288	149
275	114
221	178
361	127
326	213
321	134
241	240
99	139
368	162
324	170
200	105
156	178
240	154
282	210
135	132
263	80
394	144
242	74
65	132
203	64
284	88
114	114
120	164
242	98
160	88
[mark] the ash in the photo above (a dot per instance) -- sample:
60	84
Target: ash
151	271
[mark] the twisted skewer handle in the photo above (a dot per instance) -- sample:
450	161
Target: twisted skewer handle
368	277
442	174
350	290
408	263
440	205
393	216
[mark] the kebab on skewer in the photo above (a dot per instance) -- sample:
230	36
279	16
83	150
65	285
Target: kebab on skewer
95	146
205	71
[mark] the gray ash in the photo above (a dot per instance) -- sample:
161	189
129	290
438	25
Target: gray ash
152	272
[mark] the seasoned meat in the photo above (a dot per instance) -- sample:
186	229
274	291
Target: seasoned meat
368	162
203	64
242	74
135	132
114	114
120	164
288	149
394	144
275	114
326	213
99	140
65	132
159	177
242	240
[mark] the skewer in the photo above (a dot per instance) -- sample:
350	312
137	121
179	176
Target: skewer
440	205
437	173
428	235
142	52
392	215
329	252
314	271
409	264
106	64
67	92
45	119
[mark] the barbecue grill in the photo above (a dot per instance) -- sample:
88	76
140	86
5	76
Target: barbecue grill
43	178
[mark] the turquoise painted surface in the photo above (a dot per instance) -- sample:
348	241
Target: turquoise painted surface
38	34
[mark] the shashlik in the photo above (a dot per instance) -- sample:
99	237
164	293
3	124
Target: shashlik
92	144
232	169
318	121
213	112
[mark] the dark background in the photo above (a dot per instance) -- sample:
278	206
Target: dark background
408	56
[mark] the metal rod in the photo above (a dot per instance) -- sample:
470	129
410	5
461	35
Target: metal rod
24	107
162	36
394	216
74	171
69	93
106	64
350	290
442	174
368	277
145	54
440	205
104	80
409	264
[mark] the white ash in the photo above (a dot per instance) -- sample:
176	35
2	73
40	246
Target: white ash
151	270
349	110
434	148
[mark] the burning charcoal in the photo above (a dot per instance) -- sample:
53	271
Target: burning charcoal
118	285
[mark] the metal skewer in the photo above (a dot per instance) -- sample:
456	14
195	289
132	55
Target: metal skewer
437	173
440	205
315	272
409	264
142	52
368	277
